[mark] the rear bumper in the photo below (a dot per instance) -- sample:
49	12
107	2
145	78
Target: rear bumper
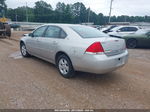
101	64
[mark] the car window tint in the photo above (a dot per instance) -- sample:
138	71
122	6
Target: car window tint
88	32
62	34
132	29
40	31
53	32
124	29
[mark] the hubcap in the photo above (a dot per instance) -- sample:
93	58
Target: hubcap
23	50
132	44
63	66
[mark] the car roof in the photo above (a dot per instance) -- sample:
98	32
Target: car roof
66	25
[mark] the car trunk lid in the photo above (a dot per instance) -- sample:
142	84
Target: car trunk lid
111	46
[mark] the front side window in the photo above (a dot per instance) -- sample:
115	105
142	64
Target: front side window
52	32
88	32
39	32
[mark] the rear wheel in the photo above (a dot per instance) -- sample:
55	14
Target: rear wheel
64	66
131	43
24	50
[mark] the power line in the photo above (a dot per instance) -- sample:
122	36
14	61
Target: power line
27	19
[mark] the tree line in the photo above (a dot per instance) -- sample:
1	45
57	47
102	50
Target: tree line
3	7
63	13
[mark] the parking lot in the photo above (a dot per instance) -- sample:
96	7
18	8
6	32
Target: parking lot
33	83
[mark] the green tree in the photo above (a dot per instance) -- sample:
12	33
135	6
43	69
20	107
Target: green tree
146	19
60	12
100	20
60	7
19	14
68	14
43	12
3	7
79	12
64	13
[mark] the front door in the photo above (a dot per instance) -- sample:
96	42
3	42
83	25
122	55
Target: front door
34	41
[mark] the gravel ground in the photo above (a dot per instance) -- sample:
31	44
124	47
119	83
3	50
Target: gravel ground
31	83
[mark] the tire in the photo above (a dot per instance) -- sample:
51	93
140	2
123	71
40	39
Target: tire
64	66
23	50
8	30
131	43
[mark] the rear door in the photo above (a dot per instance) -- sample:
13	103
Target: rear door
50	42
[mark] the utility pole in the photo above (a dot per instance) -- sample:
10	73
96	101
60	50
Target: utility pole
110	11
27	13
89	13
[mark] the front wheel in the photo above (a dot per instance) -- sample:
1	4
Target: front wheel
131	43
24	50
65	67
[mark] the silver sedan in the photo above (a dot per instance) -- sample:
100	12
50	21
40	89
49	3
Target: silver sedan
75	48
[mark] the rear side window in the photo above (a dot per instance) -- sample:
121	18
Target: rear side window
88	32
62	34
53	32
132	29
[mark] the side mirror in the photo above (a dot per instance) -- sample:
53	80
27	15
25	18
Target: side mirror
25	35
31	34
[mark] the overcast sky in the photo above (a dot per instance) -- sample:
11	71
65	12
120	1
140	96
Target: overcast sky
120	7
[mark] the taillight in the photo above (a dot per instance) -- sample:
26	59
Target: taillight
95	48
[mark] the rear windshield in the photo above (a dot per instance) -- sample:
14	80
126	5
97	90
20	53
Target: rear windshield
88	32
